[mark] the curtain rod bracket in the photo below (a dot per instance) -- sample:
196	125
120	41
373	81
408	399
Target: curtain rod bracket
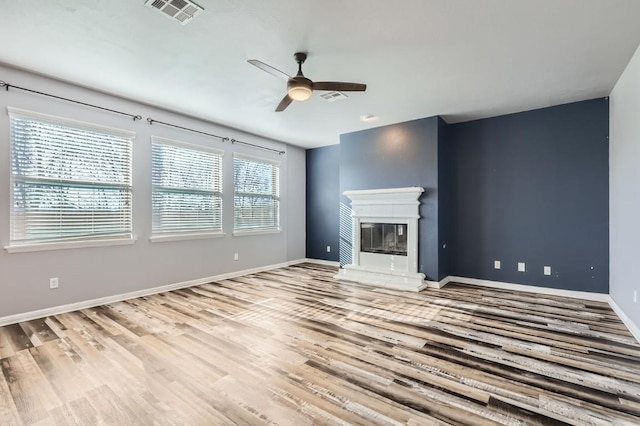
137	117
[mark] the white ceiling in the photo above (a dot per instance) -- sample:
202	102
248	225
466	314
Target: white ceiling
462	59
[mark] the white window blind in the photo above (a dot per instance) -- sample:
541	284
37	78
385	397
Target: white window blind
70	181
257	194
187	188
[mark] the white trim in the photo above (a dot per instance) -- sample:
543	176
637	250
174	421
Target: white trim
256	158
633	329
25	114
187	236
323	262
248	232
600	297
41	313
368	193
434	284
63	245
187	145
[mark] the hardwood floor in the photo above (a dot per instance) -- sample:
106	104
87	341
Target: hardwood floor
292	347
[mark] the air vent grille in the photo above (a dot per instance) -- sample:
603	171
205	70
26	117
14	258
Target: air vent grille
181	11
333	96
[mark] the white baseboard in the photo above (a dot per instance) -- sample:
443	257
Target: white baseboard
41	313
625	319
323	262
436	284
599	297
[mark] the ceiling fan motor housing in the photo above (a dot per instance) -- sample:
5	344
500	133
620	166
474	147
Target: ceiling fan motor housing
299	88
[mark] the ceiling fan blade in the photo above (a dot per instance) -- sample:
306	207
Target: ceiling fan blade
268	68
284	103
339	86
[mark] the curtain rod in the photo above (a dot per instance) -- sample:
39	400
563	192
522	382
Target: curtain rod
151	121
258	146
222	138
7	86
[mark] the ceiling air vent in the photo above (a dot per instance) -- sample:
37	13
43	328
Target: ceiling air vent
181	11
333	96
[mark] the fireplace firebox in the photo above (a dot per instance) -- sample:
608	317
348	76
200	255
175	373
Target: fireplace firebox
385	238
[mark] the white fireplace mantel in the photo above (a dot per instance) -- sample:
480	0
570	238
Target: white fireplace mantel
392	205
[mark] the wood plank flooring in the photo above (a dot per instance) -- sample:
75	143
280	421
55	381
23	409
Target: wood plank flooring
292	346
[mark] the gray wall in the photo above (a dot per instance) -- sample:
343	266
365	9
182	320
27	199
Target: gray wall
104	271
533	187
625	190
395	156
323	201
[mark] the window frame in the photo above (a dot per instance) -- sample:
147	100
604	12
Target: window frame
257	230
178	235
78	241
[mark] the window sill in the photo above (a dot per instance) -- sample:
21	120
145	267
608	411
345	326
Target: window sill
62	245
182	237
256	232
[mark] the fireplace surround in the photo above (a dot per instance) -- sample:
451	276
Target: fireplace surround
385	238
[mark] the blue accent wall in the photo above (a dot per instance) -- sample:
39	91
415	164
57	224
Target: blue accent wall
323	200
445	201
533	187
530	187
395	156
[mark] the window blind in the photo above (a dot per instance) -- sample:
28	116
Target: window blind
187	188
70	181
257	194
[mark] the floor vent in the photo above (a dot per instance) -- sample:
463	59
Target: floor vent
181	11
333	96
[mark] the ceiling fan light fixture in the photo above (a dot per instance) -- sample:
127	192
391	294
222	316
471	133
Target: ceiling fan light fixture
299	93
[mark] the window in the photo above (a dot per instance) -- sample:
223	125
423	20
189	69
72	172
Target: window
70	183
257	194
187	190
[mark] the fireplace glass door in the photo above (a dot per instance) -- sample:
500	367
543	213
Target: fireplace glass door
384	238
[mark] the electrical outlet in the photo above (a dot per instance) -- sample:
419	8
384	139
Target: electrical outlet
328	249
522	267
547	270
496	264
53	282
235	256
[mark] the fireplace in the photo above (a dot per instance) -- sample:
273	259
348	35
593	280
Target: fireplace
385	238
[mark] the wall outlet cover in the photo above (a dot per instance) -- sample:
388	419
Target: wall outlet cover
53	283
547	270
235	256
522	267
328	249
496	264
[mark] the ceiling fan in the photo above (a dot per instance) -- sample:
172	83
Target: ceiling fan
299	87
